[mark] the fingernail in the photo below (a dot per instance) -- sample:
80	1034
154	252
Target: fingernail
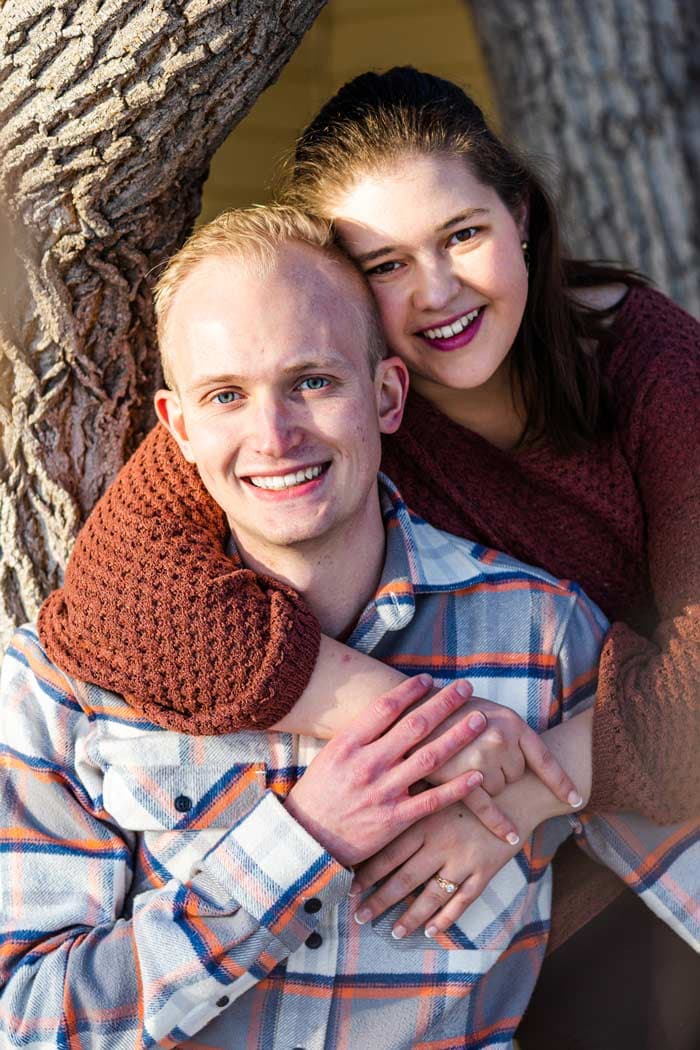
362	916
575	800
476	721
474	779
355	888
430	931
512	838
463	689
398	932
425	679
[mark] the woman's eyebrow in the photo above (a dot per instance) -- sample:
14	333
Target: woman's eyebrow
463	216
386	249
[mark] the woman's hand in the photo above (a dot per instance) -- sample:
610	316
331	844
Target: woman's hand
502	753
452	844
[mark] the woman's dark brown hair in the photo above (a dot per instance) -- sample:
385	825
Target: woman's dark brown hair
377	118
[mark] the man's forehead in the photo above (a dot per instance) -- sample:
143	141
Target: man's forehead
318	274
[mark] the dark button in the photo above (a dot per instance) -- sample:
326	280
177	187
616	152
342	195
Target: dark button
183	803
223	1001
313	905
314	940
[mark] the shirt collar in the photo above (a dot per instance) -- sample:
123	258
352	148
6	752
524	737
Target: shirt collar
419	560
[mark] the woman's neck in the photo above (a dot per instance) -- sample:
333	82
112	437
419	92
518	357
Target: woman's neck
493	410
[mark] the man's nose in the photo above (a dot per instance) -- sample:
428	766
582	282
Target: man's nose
275	429
436	284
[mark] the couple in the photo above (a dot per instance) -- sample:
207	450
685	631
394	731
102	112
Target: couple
440	239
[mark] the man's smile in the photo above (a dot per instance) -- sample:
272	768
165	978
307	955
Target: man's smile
288	480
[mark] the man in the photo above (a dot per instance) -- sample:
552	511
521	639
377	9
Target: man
202	897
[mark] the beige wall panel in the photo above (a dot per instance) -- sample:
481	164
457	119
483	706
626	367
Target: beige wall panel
349	37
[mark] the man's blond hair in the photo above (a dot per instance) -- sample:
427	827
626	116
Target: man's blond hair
255	235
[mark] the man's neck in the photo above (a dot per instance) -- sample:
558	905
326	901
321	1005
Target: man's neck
336	574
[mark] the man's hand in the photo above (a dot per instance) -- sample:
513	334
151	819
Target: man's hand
354	797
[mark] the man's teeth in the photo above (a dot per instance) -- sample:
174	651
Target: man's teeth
286	481
451	329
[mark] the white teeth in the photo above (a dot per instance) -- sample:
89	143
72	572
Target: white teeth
287	481
452	329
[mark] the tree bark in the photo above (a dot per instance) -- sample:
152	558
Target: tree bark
110	113
609	90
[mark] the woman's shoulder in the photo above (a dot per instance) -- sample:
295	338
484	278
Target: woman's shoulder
650	360
649	332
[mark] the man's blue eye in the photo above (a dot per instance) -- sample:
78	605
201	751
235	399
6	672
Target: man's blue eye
225	397
314	383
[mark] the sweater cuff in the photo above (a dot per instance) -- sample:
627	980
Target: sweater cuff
619	779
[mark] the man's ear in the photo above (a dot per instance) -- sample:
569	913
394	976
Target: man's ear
169	412
391	386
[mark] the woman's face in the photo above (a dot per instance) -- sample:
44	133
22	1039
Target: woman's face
443	256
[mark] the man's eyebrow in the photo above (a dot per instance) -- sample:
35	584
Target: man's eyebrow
387	249
309	365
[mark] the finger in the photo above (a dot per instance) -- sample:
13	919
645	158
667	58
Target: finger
415	807
382	714
480	803
432	899
543	763
418	724
494	782
471	888
426	759
513	765
396	888
387	860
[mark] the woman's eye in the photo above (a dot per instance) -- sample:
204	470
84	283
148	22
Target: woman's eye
314	383
460	236
382	268
225	397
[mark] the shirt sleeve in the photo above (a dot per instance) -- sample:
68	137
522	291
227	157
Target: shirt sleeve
153	608
84	959
647	724
659	863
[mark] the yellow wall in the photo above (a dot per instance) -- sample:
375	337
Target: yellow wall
348	37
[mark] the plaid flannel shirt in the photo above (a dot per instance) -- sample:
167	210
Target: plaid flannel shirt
154	890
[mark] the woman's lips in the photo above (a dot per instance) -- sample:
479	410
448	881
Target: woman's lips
454	342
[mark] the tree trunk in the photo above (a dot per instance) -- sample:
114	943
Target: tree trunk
110	113
609	90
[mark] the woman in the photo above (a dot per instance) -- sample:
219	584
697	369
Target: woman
554	415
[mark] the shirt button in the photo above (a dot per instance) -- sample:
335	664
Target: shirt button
313	905
223	1001
314	940
183	803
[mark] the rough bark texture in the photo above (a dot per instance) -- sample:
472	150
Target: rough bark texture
610	90
109	113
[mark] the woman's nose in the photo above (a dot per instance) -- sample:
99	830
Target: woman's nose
436	285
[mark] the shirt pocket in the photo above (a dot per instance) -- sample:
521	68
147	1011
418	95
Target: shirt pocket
183	796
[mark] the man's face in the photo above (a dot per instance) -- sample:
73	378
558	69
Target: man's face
275	403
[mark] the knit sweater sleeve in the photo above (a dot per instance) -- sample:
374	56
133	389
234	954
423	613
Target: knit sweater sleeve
647	724
153	608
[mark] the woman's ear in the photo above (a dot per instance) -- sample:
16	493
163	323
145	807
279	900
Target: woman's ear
391	386
521	217
169	412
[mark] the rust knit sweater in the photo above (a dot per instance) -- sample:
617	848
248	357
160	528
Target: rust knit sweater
151	607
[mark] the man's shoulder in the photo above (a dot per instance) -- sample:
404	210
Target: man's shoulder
453	562
26	667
